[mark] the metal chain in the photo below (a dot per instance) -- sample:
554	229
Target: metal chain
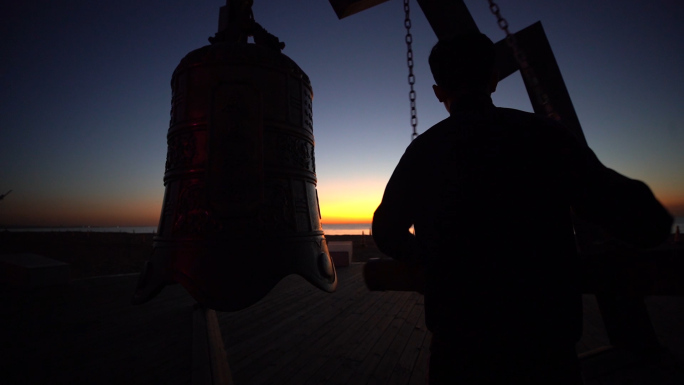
525	68
411	76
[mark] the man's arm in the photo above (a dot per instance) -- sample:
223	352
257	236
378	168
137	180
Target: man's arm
625	208
395	215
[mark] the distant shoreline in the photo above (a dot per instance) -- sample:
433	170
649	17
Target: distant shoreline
93	254
329	229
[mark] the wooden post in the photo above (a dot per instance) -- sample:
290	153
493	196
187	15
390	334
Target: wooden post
209	359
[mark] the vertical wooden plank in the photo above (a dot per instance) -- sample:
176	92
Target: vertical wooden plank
209	359
533	42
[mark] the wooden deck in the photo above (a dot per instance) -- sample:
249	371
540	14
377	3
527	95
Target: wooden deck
88	333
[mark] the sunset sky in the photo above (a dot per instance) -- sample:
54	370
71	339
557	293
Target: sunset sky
85	95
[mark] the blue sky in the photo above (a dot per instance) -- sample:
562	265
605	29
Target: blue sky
85	95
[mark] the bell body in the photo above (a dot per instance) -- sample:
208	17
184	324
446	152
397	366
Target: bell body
240	210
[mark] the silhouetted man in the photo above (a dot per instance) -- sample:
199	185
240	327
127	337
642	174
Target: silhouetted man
490	192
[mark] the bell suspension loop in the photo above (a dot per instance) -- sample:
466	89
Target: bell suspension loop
409	63
237	24
525	68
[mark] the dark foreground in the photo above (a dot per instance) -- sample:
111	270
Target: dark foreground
88	333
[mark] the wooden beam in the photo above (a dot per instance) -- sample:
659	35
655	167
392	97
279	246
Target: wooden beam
445	17
209	359
533	42
344	8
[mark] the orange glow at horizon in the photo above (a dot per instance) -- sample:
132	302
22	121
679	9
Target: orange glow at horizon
343	202
669	194
346	202
674	206
346	212
84	212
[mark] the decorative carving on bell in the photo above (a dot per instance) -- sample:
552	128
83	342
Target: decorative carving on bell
240	210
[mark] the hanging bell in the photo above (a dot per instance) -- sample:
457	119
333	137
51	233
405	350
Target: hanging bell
240	210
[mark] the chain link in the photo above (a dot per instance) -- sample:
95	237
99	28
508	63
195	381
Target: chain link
523	64
409	63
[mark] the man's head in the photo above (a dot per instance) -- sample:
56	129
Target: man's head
462	65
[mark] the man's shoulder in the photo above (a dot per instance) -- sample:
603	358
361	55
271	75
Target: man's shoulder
495	116
536	125
435	132
497	121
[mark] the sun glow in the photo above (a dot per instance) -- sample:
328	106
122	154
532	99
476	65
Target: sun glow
350	202
348	211
674	206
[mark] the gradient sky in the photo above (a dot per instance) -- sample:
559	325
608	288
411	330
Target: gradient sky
85	95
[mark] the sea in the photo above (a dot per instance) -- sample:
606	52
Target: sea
332	229
328	229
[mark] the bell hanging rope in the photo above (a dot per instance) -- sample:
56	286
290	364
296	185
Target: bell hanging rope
240	210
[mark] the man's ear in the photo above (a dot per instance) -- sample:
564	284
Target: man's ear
439	93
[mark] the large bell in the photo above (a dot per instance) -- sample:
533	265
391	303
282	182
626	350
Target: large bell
240	210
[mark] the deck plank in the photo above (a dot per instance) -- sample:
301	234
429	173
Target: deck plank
310	359
279	350
363	339
329	358
392	369
420	371
390	326
409	360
